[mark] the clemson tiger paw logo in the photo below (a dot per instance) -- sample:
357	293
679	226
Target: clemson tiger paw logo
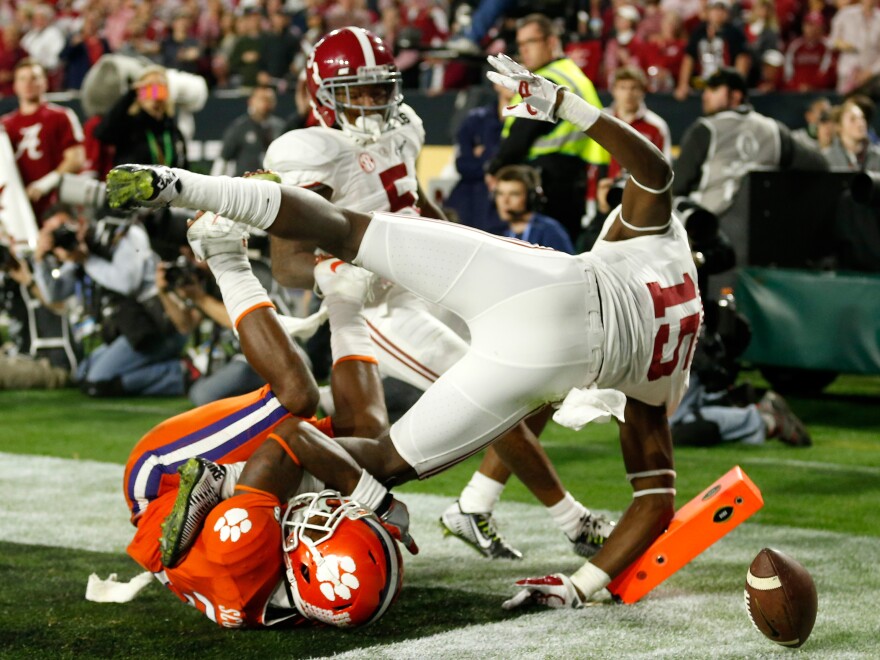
337	577
232	524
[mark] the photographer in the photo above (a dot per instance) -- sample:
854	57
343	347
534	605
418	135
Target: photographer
141	125
111	266
189	295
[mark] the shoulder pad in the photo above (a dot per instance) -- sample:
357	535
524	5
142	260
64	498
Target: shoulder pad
303	148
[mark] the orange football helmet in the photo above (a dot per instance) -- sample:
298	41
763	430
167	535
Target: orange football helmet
343	567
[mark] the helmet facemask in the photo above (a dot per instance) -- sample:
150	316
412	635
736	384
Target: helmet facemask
337	558
347	95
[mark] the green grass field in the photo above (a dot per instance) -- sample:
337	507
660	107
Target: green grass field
62	518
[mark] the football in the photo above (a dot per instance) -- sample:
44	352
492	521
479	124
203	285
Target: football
781	598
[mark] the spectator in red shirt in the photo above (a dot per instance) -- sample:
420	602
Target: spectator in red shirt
47	138
809	59
628	92
663	53
623	48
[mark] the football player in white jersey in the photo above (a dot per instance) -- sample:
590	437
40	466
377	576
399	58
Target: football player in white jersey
608	332
362	157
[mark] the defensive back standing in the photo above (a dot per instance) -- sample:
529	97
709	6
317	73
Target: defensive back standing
624	316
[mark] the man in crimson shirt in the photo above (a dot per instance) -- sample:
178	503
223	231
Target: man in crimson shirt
628	92
809	59
47	138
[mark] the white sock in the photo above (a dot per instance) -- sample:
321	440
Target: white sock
233	472
349	335
241	290
480	495
254	202
567	513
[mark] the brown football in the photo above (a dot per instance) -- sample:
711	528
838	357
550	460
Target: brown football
781	598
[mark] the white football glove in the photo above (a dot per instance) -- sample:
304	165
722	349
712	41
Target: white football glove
539	94
556	591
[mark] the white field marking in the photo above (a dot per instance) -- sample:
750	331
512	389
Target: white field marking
815	465
697	613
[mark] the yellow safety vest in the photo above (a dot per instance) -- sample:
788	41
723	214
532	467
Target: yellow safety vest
565	138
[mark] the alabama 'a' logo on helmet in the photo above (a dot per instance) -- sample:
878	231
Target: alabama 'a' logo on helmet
343	567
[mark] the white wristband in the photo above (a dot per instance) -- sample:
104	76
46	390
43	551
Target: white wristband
580	113
589	579
47	183
369	492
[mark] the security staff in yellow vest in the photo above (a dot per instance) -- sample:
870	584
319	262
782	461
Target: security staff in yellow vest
560	151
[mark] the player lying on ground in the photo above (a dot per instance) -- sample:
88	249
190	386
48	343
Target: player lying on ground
545	326
247	566
363	157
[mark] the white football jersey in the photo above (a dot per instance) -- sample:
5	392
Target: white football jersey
648	356
366	177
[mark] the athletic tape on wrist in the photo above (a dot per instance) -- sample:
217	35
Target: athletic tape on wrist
580	113
589	578
242	291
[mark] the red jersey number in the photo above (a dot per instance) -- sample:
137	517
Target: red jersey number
389	178
665	297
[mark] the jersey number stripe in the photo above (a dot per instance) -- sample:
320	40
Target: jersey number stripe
665	297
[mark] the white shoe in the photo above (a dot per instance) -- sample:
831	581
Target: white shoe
594	530
337	278
478	531
212	234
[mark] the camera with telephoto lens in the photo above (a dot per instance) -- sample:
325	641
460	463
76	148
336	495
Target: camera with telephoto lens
65	237
180	273
80	190
100	237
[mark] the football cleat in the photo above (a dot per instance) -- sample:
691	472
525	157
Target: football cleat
592	533
789	429
477	530
198	493
211	234
337	278
141	185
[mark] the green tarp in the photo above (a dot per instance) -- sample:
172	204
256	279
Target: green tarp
811	320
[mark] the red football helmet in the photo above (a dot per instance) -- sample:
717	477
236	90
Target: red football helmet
344	66
343	567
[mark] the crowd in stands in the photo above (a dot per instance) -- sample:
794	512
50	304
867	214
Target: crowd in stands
671	46
799	45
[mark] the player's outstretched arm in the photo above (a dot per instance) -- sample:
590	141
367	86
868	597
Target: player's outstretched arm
647	201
